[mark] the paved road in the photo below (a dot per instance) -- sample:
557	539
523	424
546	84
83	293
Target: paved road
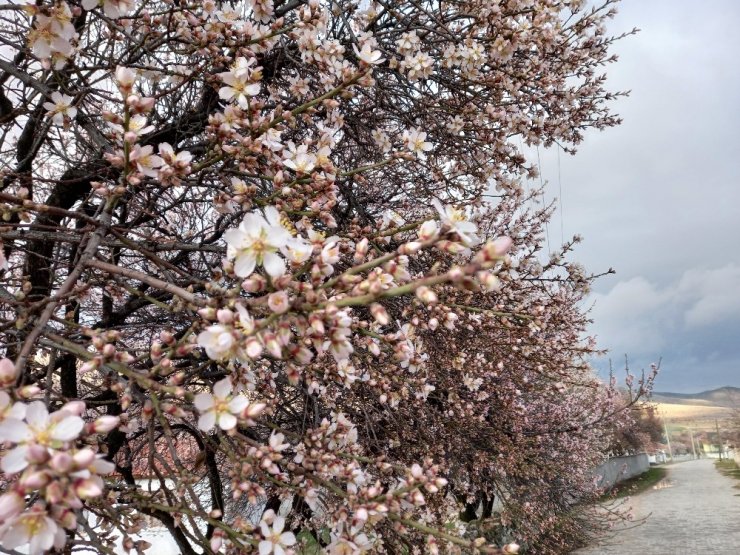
698	511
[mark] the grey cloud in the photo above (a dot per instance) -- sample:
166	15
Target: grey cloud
658	198
693	324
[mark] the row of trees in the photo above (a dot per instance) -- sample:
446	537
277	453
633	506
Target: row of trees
277	259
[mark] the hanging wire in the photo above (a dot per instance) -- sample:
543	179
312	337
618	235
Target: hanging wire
560	193
542	192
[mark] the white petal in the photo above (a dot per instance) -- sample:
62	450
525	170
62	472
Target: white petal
287	538
278	524
272	215
235	237
244	265
274	264
37	415
14	430
226	421
203	401
207	420
43	539
15	460
226	93
68	429
222	388
253	89
18	411
15	536
440	209
265	547
238	404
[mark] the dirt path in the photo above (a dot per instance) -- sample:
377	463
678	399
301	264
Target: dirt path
698	511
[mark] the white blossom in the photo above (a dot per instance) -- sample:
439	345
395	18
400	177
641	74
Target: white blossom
275	539
218	341
33	528
60	107
221	408
255	242
39	428
240	82
457	221
111	8
416	142
368	55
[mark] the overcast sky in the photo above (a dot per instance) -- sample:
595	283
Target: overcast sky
658	198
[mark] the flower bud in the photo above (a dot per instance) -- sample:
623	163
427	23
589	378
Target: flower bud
37	454
125	78
8	372
380	314
109	350
224	316
426	295
254	284
84	458
496	249
61	462
489	281
88	488
253	410
105	424
428	231
411	247
167	337
278	302
253	347
272	345
74	407
37	480
207	313
361	250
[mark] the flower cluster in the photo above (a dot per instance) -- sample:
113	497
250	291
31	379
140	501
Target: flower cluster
51	476
261	271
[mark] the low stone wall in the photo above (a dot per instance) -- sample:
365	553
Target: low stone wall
616	469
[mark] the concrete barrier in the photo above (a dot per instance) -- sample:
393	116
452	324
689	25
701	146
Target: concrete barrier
616	469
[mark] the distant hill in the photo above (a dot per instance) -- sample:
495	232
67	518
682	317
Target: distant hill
721	397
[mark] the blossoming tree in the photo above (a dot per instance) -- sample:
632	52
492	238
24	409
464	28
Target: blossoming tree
271	280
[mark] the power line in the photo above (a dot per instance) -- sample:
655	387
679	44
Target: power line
560	193
542	192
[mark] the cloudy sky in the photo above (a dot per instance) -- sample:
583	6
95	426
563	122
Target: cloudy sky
658	199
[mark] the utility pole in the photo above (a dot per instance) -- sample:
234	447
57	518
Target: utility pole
719	439
693	449
668	439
